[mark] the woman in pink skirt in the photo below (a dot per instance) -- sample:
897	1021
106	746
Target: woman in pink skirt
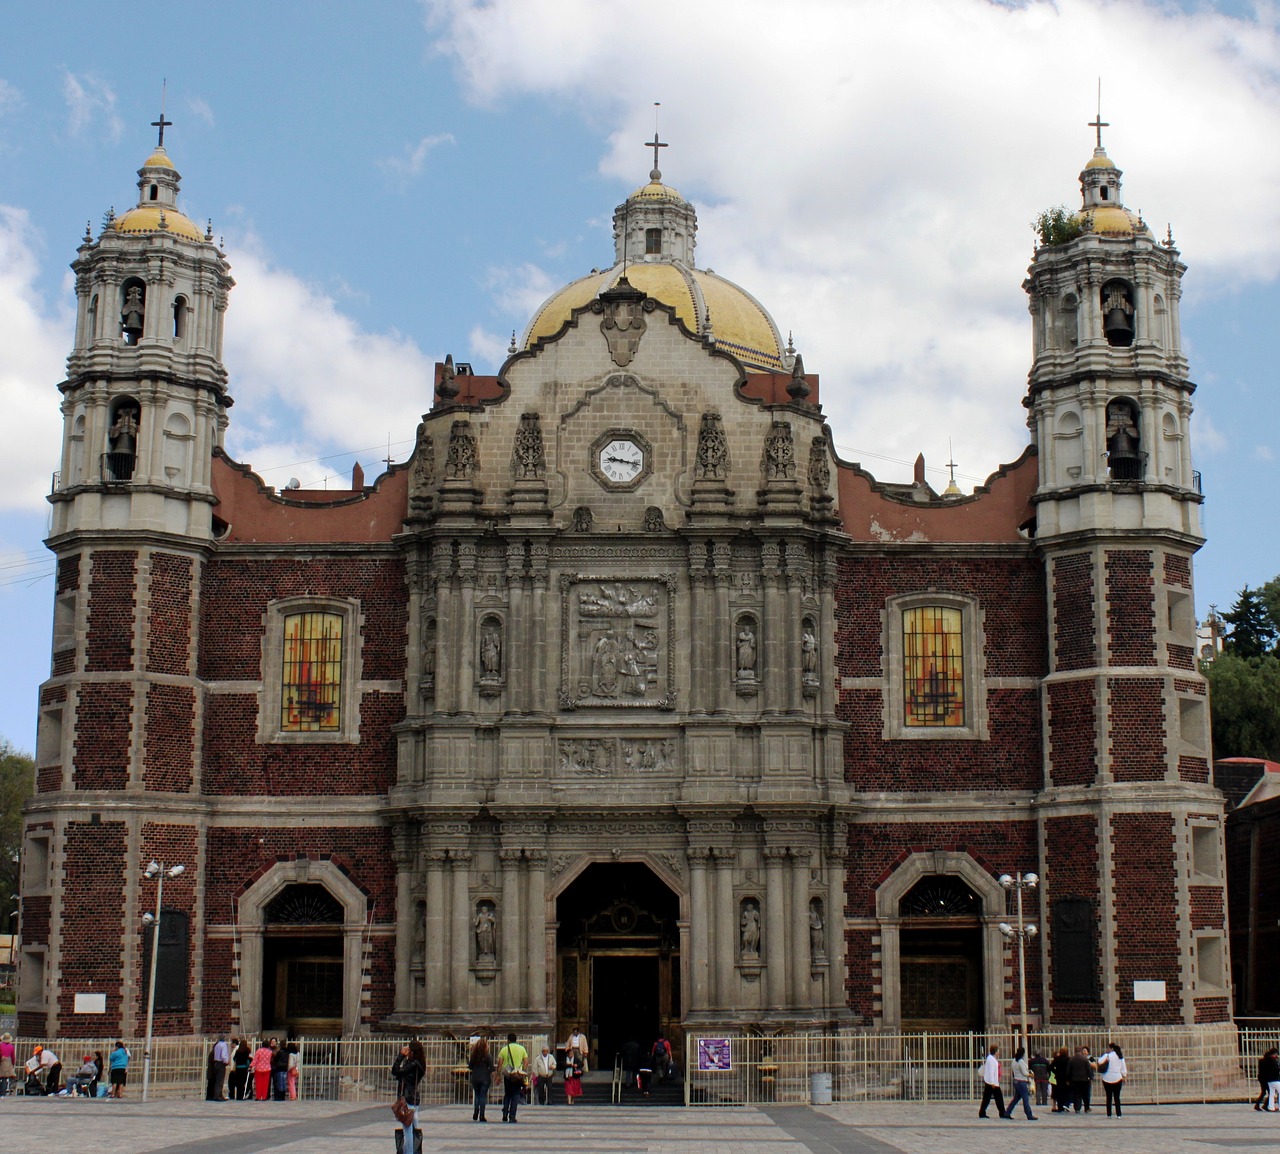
572	1075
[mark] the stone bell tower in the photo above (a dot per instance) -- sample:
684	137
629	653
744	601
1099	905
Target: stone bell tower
144	405
1129	818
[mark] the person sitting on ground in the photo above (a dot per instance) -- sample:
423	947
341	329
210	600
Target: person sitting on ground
78	1083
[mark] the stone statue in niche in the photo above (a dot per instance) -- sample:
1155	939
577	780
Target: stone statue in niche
424	471
746	649
749	929
582	519
491	649
429	653
779	453
528	456
817	931
819	466
653	522
713	449
486	926
460	465
809	652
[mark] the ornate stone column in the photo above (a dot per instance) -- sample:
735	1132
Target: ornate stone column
726	928
403	845
836	854
775	923
465	655
699	690
511	947
444	679
535	932
516	655
460	951
436	972
775	664
794	662
799	929
541	695
698	925
724	659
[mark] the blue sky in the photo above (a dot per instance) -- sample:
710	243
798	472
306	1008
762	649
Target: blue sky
397	181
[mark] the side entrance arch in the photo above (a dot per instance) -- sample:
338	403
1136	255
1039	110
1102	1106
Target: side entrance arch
618	958
301	929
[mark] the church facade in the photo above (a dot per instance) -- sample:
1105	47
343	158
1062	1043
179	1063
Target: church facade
625	703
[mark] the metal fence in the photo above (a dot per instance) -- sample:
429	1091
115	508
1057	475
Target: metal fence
1164	1065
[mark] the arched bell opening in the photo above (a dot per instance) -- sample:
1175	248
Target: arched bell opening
618	959
1118	313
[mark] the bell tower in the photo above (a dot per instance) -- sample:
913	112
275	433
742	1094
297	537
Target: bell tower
1129	817
144	406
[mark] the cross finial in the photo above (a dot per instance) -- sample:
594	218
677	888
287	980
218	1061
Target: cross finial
655	144
1097	122
162	123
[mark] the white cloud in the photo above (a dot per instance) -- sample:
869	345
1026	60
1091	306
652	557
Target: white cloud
1264	453
873	185
414	159
518	290
311	381
10	97
490	349
91	102
200	109
36	337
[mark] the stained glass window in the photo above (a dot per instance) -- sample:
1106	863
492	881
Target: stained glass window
311	683
933	666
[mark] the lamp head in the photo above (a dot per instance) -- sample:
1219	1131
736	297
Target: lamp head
176	870
1006	929
1006	880
152	869
148	918
1032	930
1031	879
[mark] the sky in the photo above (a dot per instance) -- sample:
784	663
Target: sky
397	181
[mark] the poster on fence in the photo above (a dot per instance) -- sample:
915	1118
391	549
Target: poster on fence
715	1054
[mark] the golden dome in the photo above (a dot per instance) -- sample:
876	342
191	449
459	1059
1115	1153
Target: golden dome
146	218
739	322
655	190
158	159
1100	159
1112	220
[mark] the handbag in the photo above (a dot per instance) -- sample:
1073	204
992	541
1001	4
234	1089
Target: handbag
402	1111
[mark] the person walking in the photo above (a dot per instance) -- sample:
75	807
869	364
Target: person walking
118	1069
8	1063
218	1057
409	1068
1113	1070
513	1062
578	1041
991	1084
1080	1075
573	1068
1269	1076
1021	1084
261	1067
1040	1071
544	1073
480	1064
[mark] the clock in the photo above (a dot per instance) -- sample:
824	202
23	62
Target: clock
621	459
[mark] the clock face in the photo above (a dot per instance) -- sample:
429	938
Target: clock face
621	461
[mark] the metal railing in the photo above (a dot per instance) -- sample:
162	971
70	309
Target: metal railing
1165	1065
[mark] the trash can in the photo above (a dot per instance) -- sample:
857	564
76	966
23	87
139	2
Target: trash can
820	1088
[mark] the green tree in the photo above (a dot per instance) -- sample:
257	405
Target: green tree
1245	703
17	783
1251	627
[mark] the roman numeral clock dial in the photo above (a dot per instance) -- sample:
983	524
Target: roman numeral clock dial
620	461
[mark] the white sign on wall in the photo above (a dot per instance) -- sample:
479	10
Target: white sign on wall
91	1004
1149	992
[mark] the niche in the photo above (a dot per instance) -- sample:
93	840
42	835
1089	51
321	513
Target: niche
181	311
133	295
1067	329
177	450
122	440
1124	454
1068	445
490	652
1117	313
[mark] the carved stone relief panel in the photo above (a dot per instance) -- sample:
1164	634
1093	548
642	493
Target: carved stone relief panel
584	757
615	645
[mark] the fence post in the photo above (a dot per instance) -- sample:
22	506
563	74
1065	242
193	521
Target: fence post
688	1065
924	1066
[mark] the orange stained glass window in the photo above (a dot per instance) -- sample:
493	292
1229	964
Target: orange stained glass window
311	687
933	666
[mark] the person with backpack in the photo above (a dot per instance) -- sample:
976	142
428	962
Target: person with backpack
660	1059
1113	1071
513	1062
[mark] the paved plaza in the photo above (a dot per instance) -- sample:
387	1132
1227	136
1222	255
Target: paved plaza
131	1127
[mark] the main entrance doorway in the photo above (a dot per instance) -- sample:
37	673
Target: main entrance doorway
302	967
940	956
618	959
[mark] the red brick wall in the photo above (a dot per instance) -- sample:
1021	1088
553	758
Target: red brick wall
171	845
861	975
1071	868
169	620
1010	593
1075	634
1143	879
1212	1010
1181	656
104	724
233	763
68	579
1136	733
1206	908
1073	733
1193	768
92	922
1177	570
112	576
217	964
35	920
1131	607
170	737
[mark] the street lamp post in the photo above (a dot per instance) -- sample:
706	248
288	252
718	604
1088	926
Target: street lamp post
1020	933
158	871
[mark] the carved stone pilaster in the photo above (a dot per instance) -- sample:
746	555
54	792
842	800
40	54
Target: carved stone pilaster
711	465
458	491
528	493
781	491
422	481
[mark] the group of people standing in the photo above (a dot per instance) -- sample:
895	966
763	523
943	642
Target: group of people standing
1067	1079
274	1066
43	1072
